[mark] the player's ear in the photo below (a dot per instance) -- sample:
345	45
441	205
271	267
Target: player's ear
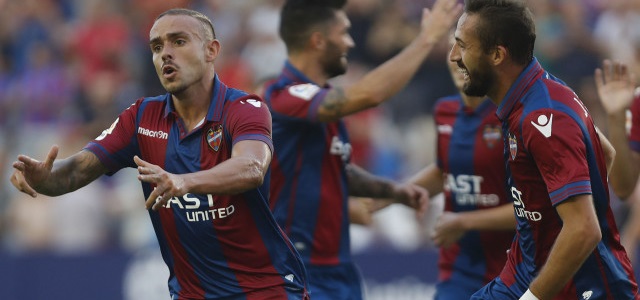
317	40
212	49
499	55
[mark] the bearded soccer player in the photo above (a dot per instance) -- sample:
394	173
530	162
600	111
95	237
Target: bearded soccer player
567	244
312	176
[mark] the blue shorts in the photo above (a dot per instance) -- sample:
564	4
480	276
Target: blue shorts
457	288
495	290
340	282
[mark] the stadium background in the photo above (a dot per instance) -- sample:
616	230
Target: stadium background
68	67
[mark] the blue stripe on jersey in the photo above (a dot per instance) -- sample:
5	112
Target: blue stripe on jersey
571	189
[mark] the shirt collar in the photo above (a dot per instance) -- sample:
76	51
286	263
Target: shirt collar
522	84
217	101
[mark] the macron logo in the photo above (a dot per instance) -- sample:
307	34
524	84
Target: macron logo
586	295
289	277
544	125
154	134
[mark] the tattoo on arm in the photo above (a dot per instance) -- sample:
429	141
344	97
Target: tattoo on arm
72	173
333	103
365	184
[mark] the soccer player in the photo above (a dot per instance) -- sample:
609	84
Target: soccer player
478	223
567	244
615	85
202	151
312	176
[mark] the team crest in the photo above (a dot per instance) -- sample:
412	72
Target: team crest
214	137
513	146
491	134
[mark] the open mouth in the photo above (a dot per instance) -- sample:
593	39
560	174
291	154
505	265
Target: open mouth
168	70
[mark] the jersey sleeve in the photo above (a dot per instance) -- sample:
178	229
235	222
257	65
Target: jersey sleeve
299	101
556	143
249	119
634	123
116	146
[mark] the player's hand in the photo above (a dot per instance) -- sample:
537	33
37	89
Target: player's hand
448	229
30	173
615	85
438	21
412	195
167	185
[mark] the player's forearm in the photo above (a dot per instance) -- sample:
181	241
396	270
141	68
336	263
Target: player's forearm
571	248
429	178
389	78
72	173
233	176
497	218
364	184
625	170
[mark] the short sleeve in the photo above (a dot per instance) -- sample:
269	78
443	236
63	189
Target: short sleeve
115	147
556	143
249	119
299	101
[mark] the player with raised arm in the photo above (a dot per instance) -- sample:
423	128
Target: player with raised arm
312	176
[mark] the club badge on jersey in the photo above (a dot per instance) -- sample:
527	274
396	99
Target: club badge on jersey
214	138
491	134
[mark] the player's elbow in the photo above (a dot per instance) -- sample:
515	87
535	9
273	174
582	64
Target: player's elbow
254	174
590	235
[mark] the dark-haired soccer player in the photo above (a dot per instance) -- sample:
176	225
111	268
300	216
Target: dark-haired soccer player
567	245
202	151
477	225
312	176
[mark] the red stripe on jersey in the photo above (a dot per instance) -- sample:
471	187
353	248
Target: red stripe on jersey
330	213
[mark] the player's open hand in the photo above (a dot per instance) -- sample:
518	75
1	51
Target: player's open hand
30	173
438	21
413	196
167	185
615	84
448	230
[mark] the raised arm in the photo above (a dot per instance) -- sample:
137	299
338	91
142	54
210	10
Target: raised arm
53	177
389	78
615	84
245	170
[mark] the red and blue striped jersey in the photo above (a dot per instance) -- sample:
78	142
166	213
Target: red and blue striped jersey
308	179
634	133
553	152
470	155
216	246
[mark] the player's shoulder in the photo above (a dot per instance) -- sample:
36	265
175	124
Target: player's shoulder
302	91
451	103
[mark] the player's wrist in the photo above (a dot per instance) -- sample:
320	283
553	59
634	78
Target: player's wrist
528	295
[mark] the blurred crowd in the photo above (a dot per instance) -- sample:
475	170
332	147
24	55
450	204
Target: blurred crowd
68	67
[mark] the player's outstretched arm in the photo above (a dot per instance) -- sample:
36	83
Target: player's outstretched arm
430	178
245	170
364	184
451	226
389	78
578	237
615	85
53	177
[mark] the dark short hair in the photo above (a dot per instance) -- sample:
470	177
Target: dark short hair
299	18
508	23
207	25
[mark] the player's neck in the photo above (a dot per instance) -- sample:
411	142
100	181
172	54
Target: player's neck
470	101
506	78
310	67
192	104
